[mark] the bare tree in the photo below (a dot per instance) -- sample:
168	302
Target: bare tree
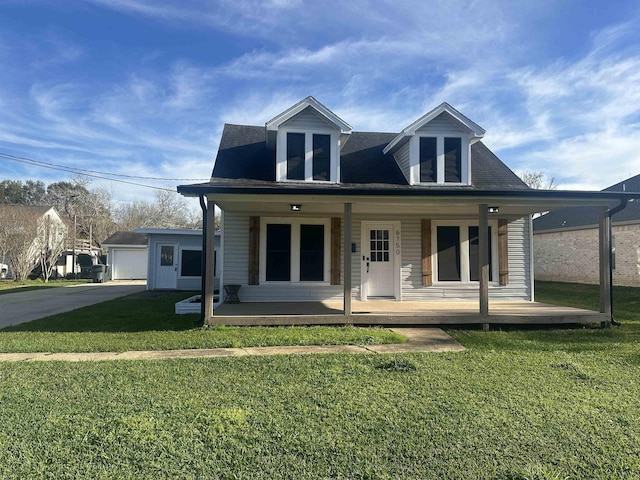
50	243
538	180
19	230
167	210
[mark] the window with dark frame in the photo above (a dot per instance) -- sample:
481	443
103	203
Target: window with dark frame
295	156
453	159
311	253
321	157
278	252
428	159
448	241
191	263
474	254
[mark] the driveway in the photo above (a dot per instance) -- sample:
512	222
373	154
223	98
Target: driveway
21	307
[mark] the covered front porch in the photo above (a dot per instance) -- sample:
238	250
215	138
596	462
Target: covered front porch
390	312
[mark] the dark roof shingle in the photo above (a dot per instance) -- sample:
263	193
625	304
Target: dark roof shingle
244	159
126	238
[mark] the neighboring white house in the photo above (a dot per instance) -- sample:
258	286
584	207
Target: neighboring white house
127	255
174	258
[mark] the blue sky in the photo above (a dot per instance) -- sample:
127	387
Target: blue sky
143	87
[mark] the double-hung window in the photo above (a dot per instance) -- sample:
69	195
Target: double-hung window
308	156
294	250
440	159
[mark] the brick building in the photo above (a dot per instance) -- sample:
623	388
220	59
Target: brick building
565	242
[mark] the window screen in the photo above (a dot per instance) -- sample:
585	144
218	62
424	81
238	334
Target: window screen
295	156
321	156
449	254
278	252
453	160
191	263
428	159
312	253
474	254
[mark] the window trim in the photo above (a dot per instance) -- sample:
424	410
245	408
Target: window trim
465	161
281	155
295	249
463	225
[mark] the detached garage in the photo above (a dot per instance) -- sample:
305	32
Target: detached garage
127	255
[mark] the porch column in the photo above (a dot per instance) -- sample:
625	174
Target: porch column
347	261
483	257
209	272
604	236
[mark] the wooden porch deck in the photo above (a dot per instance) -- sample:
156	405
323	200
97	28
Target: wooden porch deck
390	312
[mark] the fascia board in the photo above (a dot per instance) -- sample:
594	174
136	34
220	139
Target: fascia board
278	120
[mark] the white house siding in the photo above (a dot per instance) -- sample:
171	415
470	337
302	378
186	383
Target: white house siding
309	121
236	266
442	124
402	158
572	255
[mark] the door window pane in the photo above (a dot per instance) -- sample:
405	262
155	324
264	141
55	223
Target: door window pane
191	263
312	253
453	160
295	156
166	256
474	254
428	159
321	156
379	245
278	252
448	254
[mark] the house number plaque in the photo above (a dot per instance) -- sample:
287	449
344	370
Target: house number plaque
397	242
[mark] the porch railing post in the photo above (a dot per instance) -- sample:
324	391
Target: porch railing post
483	257
604	261
209	272
347	261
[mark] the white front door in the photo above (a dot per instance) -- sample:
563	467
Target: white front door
166	266
379	259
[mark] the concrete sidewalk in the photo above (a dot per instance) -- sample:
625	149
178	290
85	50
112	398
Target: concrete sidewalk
21	307
418	340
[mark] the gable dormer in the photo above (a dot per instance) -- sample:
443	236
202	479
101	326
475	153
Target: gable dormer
307	138
436	148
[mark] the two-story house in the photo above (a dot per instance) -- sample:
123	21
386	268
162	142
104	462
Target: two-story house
314	211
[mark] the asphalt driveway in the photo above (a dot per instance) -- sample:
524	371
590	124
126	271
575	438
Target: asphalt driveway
21	307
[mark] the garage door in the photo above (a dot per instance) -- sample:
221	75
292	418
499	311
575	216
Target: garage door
129	264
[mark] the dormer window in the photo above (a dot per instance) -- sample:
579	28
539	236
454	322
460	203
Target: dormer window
309	156
436	148
307	139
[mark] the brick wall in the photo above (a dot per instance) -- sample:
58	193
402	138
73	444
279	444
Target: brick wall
572	256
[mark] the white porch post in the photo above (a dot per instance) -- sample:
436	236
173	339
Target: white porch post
483	258
209	272
347	261
604	235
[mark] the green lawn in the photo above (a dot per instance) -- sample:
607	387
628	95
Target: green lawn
147	322
9	286
519	404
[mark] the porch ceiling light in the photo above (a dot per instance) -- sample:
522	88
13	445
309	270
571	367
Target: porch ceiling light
493	209
296	208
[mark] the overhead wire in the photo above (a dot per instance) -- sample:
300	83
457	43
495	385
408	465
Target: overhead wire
96	173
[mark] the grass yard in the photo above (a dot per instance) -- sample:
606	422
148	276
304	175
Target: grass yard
9	286
147	322
520	404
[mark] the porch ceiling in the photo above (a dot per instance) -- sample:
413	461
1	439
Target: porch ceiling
432	206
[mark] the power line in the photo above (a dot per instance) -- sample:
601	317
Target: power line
81	170
70	170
